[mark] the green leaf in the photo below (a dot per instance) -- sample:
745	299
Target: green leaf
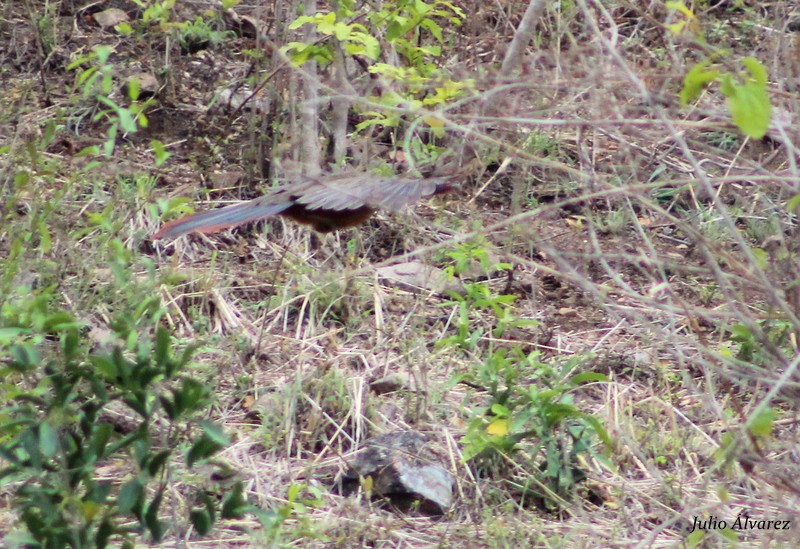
558	411
234	504
156	463
92	150
432	50
433	27
108	145
397	28
9	334
202	449
107	102
155	526
105	366
342	31
695	81
104	532
124	28
584	377
48	440
103	53
202	522
80	61
368	123
299	53
126	120
107	83
70	345
421	7
436	125
192	394
757	71
749	105
761	425
23	358
299	22
792	205
45	243
134	89
60	321
130	497
455	9
599	429
170	407
17	539
498	427
326	24
215	433
363	43
160	151
761	257
162	347
212	440
100	438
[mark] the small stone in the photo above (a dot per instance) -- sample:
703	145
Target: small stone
148	85
110	18
415	276
390	383
227	179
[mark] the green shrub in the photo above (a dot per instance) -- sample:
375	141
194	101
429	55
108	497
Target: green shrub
58	386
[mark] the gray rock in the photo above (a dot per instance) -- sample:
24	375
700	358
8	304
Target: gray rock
405	468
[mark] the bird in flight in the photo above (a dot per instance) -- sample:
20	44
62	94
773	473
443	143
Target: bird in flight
326	202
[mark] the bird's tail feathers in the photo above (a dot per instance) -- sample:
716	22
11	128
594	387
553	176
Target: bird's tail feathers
222	218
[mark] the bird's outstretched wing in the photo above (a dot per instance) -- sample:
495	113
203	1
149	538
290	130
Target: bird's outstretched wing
354	191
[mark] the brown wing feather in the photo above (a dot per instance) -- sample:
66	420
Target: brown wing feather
354	191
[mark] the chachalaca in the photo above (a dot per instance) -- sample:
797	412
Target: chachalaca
326	202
